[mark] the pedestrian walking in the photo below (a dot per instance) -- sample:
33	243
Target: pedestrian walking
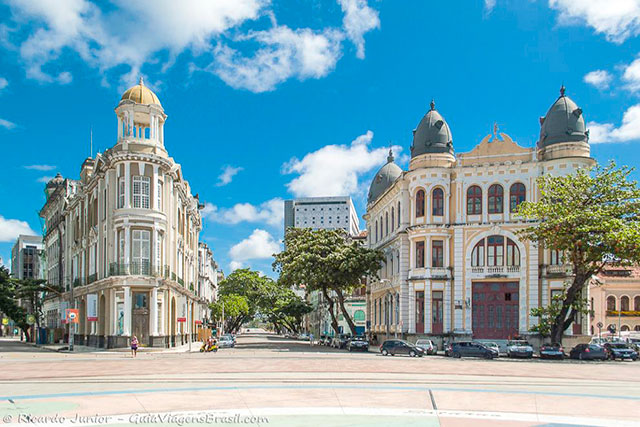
311	340
134	346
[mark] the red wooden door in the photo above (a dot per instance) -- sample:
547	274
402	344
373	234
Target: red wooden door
436	312
495	310
419	312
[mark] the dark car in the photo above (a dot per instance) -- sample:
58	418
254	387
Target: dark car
588	352
552	351
358	343
617	350
394	347
469	349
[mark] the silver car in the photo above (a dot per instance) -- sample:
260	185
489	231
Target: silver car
428	346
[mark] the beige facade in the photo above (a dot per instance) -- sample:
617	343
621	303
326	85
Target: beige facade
615	300
455	265
123	240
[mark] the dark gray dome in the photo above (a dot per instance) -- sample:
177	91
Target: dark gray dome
384	179
55	181
432	135
563	122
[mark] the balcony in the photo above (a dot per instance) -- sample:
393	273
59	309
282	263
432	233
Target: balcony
558	270
78	282
144	268
496	269
616	313
92	278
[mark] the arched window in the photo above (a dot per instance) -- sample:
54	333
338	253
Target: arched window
359	316
611	303
420	203
376	230
477	255
624	328
517	195
438	202
393	222
495	251
624	303
513	253
637	328
398	214
496	203
474	200
636	303
386	224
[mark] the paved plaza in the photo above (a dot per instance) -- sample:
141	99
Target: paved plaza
270	380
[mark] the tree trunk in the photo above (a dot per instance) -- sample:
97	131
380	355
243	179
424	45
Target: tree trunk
352	325
334	321
562	322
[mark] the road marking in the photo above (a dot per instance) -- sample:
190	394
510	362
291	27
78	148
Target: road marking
433	400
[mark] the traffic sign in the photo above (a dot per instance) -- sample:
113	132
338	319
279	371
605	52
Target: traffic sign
599	325
72	315
5	321
31	319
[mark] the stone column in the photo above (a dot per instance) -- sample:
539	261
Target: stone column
458	283
127	310
153	312
127	184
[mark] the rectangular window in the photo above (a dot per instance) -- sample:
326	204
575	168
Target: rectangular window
120	193
121	247
159	251
140	252
141	192
437	253
555	257
419	254
159	194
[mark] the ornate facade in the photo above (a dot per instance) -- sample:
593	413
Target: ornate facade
455	265
123	239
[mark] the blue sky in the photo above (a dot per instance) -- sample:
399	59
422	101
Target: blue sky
269	100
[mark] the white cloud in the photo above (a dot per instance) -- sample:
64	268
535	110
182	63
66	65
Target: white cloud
10	229
42	168
259	245
44	179
616	19
228	172
631	76
125	35
270	212
489	5
333	170
284	54
358	19
3	83
600	79
234	265
7	124
629	130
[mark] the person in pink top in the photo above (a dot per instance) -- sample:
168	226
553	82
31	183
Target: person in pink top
134	346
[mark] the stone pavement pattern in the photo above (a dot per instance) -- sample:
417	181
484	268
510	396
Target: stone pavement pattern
291	383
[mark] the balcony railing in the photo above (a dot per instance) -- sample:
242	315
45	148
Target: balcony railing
496	269
78	282
181	281
558	269
92	278
138	268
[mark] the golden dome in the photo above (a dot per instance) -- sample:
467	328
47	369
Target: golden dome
140	94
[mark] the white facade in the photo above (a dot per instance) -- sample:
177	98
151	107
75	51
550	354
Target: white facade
207	274
327	213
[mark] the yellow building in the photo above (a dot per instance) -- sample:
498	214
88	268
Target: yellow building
455	266
615	299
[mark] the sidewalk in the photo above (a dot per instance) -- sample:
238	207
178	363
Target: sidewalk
64	348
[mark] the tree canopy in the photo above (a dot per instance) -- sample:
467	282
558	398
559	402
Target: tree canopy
329	261
593	218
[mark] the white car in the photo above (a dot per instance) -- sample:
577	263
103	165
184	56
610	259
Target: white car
226	341
493	346
519	348
428	346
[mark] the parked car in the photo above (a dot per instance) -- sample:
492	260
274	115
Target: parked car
393	347
634	343
327	340
552	351
304	336
428	346
620	351
358	343
340	341
469	349
588	352
226	341
519	348
493	346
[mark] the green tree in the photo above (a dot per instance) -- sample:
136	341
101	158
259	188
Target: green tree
235	309
329	261
9	303
34	292
592	217
287	309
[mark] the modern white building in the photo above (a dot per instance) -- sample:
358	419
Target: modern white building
26	262
455	265
123	239
327	213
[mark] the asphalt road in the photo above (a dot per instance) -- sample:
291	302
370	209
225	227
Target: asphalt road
290	383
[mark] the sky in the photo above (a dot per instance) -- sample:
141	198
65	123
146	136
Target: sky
275	99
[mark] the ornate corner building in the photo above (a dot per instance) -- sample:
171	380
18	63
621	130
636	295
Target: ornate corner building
123	239
455	265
